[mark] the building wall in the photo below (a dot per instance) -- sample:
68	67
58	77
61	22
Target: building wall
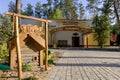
91	42
67	35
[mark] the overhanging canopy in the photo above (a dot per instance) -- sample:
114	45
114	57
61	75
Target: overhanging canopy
72	28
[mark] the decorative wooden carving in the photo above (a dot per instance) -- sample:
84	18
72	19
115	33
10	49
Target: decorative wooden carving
30	29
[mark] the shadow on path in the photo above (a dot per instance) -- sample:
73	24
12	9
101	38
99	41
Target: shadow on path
89	64
89	57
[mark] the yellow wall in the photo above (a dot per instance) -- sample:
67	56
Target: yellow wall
91	41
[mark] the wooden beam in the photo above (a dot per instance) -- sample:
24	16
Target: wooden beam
19	59
27	17
46	46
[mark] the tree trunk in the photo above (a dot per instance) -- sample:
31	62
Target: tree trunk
18	6
116	11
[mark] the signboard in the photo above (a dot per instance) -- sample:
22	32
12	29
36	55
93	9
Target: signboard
70	23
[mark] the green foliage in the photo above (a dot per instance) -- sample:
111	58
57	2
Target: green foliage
101	29
57	14
11	7
50	61
81	11
92	6
28	10
5	28
38	10
26	66
31	78
69	9
1	72
3	52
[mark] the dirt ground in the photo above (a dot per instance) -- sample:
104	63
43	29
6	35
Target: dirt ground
38	72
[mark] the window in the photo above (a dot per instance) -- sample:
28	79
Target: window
35	58
62	43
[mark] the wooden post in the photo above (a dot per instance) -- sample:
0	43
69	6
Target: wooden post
12	59
18	48
54	40
46	45
87	40
40	58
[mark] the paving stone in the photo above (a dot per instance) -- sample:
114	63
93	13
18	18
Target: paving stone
86	65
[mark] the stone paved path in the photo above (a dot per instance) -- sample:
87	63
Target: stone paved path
86	65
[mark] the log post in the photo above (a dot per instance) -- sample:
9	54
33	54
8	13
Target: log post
19	59
46	45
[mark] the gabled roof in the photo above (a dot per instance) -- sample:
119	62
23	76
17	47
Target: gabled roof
23	39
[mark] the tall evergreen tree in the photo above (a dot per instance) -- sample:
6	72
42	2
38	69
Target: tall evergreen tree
47	9
116	4
69	9
11	7
101	28
38	10
56	3
81	11
57	14
29	10
92	6
5	28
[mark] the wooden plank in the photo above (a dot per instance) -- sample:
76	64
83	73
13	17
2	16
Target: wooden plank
18	48
46	46
39	40
27	17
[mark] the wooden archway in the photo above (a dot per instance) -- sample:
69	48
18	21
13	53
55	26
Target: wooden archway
17	38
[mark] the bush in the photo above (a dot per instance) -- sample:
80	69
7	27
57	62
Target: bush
3	52
26	66
31	78
1	72
50	61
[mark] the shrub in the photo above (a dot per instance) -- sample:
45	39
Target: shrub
50	61
26	66
4	52
1	72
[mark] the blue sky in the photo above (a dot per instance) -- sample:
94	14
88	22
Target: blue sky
4	4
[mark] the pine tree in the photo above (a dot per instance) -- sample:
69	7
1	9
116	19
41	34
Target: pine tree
38	10
11	7
81	11
92	6
101	28
56	14
28	10
5	28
